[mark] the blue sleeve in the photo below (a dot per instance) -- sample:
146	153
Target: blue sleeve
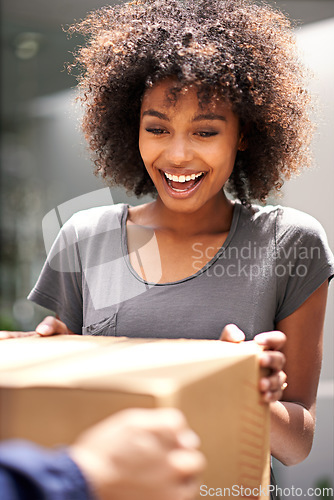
30	472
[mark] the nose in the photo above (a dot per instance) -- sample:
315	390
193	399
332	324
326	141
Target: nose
179	151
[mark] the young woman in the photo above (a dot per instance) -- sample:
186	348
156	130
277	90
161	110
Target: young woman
187	101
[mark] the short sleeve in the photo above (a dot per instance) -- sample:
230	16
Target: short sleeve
303	259
59	286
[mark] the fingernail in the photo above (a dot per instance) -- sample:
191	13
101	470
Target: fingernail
237	333
44	329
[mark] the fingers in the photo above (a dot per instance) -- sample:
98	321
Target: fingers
188	467
273	360
141	453
272	387
50	326
13	335
188	439
187	463
274	340
155	419
169	424
232	333
169	420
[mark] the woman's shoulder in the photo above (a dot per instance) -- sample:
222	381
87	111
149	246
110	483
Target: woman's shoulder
288	226
97	219
286	219
291	221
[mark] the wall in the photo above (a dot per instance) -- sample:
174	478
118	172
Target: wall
312	192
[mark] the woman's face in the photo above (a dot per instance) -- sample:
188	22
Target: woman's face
188	150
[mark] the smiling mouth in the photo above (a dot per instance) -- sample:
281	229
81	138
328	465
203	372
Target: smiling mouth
184	182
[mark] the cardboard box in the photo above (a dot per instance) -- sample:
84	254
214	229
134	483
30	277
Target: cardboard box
53	388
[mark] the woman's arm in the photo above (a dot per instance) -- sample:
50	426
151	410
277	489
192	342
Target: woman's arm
293	418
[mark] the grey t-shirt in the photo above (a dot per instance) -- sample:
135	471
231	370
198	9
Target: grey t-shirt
273	259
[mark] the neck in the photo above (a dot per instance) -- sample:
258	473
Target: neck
214	217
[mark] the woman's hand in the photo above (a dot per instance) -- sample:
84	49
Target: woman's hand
14	335
52	325
49	326
273	384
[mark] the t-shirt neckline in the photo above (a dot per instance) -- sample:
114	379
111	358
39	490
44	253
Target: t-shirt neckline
125	250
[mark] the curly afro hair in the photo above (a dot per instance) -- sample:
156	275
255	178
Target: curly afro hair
242	50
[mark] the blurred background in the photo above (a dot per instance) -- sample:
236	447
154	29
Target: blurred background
44	163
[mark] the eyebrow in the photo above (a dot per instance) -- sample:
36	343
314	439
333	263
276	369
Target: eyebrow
209	116
157	114
197	118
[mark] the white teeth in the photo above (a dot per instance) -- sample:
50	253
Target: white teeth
182	178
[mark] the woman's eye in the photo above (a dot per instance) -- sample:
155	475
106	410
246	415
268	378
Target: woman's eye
206	133
156	131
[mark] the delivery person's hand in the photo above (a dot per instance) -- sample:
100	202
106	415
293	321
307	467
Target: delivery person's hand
141	454
271	386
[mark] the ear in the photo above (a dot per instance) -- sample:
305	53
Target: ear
243	143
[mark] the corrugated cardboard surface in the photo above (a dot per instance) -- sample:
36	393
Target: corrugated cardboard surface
53	388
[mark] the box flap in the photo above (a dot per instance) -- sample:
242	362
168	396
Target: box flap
101	363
